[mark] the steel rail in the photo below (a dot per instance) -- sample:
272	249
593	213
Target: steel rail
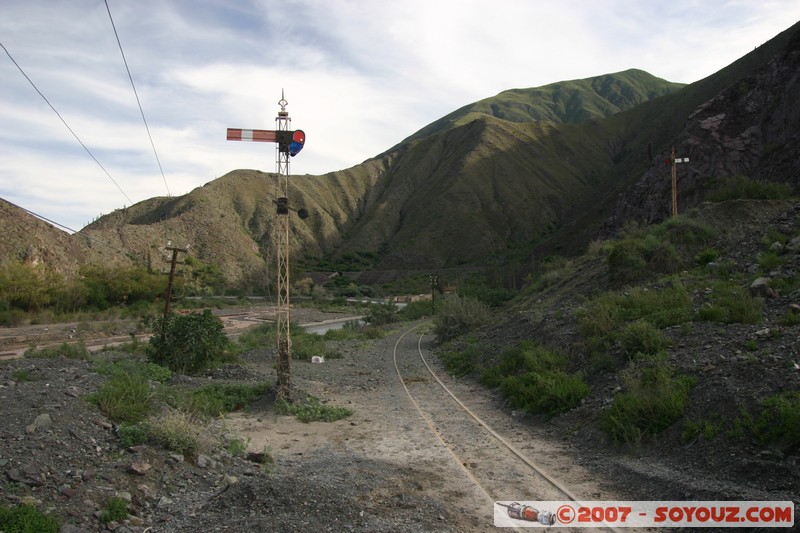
499	438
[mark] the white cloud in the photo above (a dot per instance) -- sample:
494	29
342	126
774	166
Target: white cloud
359	76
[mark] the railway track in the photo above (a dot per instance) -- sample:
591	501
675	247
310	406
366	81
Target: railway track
493	464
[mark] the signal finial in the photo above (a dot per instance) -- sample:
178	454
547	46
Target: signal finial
282	102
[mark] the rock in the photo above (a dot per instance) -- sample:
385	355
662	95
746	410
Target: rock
794	244
145	490
257	457
139	468
204	461
163	502
760	287
30	474
42	421
71	528
68	491
229	481
776	247
771	453
74	392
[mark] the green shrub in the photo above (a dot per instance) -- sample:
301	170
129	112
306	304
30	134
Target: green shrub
124	398
458	316
237	447
730	304
76	350
220	398
12	317
525	357
109	286
779	421
654	400
774	236
602	320
417	310
692	430
491	296
742	187
351	329
189	344
627	260
785	284
461	363
373	332
116	510
132	434
641	337
668	306
26	519
706	256
179	432
381	314
257	337
683	231
306	345
548	393
22	375
133	367
770	261
791	318
660	249
312	410
712	313
534	378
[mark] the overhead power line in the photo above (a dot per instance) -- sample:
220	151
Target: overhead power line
53	222
146	127
88	238
65	122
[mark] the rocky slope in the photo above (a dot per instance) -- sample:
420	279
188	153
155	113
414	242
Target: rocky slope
749	128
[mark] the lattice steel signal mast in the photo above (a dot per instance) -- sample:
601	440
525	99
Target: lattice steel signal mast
288	144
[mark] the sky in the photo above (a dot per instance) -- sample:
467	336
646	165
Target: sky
359	76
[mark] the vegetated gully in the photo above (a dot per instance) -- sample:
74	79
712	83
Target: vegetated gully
468	450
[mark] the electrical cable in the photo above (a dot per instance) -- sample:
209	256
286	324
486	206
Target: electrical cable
64	122
136	94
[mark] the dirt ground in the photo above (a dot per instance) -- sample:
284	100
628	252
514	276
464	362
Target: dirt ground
381	469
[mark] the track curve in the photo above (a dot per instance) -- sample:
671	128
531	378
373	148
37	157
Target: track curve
500	470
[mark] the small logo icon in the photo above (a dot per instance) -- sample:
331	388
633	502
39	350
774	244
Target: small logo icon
565	514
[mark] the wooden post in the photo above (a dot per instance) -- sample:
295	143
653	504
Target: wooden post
674	185
168	295
674	162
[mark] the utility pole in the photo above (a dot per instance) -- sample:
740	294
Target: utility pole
434	281
673	161
168	296
288	143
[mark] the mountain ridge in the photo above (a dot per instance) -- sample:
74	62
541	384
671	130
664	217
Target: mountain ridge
496	180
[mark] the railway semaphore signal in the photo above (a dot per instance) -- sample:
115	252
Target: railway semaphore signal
288	144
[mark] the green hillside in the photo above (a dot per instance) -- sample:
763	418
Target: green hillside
563	102
527	173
